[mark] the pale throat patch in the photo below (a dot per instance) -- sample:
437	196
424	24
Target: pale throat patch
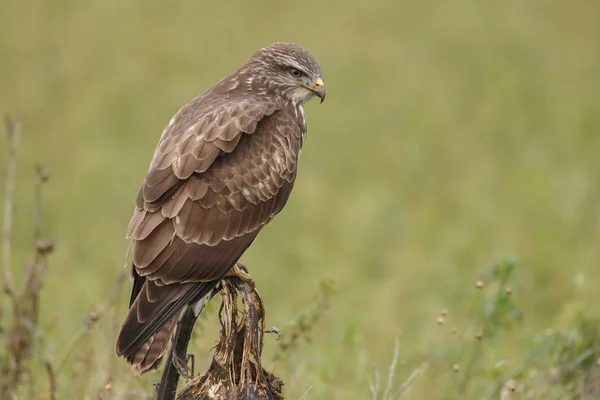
301	96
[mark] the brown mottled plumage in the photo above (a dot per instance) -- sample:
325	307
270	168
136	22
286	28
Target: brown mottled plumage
223	168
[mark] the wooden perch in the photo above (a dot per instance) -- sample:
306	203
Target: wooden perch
236	371
168	384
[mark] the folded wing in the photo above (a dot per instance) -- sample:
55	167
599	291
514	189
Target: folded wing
217	177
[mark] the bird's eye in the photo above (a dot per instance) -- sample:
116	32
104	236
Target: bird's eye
295	73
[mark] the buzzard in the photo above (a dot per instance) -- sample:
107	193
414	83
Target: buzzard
224	167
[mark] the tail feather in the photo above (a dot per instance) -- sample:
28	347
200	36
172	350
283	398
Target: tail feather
149	324
148	356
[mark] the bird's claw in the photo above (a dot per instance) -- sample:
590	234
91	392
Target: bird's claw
240	271
182	367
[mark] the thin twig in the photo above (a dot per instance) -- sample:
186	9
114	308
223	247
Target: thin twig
392	370
579	360
13	131
276	331
51	378
35	269
91	319
406	384
374	384
303	397
24	335
99	313
170	377
43	177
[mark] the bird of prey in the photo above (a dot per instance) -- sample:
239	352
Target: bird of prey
223	168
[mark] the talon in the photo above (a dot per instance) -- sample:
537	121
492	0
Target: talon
275	330
240	271
242	267
181	367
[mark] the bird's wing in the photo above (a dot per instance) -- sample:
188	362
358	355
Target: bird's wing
197	135
200	191
214	181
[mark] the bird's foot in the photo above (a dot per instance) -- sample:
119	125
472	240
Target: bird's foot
240	271
182	366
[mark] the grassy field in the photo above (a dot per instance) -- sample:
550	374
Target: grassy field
454	134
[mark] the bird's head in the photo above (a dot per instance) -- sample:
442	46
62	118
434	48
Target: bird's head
288	70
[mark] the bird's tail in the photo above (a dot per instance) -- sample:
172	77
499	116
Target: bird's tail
151	320
149	324
148	356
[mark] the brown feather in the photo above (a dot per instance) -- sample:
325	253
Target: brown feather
144	251
149	355
147	225
223	168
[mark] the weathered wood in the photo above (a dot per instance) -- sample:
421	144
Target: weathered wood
236	371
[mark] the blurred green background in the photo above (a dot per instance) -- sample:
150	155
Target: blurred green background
454	133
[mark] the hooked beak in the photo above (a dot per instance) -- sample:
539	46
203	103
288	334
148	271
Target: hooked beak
318	89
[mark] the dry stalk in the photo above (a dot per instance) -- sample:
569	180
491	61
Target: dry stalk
92	319
13	132
23	332
51	379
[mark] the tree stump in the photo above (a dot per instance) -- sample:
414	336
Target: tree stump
236	371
